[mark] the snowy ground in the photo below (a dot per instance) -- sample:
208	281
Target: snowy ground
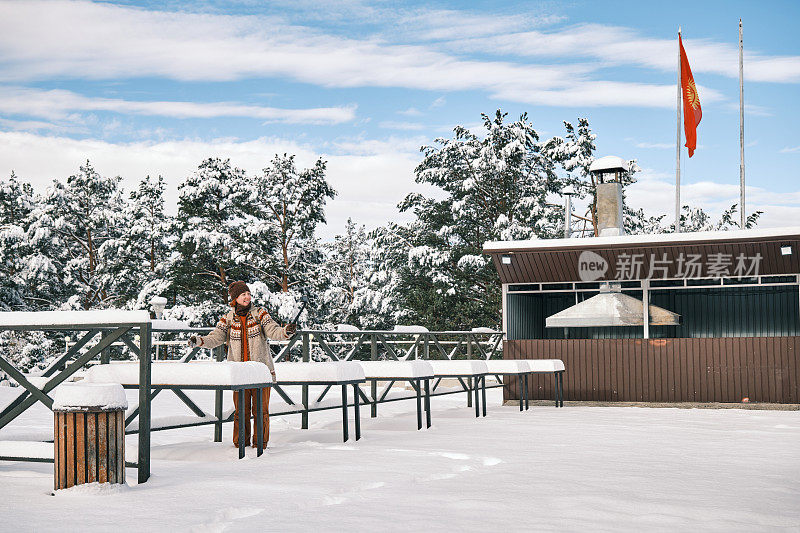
576	468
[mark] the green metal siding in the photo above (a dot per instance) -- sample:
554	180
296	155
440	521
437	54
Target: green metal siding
769	311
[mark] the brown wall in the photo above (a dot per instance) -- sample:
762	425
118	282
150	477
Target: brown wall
764	369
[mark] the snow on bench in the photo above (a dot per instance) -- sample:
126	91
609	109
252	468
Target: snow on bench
508	366
461	367
27	450
105	317
225	373
396	369
105	396
545	365
323	372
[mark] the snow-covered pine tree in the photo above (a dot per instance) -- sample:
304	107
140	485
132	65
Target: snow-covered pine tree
76	219
495	188
292	203
137	261
210	253
16	204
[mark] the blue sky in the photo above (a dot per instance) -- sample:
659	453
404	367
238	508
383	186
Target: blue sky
154	87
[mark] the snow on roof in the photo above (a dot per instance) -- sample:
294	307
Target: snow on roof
90	395
607	163
224	373
99	317
321	372
397	369
636	240
461	367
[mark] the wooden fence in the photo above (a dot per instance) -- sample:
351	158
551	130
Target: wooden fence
762	369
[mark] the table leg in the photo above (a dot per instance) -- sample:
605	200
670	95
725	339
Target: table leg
520	391
483	393
344	413
259	421
428	402
419	404
241	423
527	392
357	408
477	400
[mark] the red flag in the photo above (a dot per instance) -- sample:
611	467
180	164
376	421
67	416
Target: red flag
691	102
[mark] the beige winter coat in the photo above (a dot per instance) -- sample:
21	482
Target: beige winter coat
229	329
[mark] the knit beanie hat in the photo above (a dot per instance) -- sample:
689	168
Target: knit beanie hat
237	288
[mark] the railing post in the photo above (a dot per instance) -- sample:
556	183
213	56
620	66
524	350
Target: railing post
427	353
306	359
144	401
374	384
219	354
470	382
105	354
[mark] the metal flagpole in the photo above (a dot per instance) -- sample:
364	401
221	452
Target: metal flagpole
678	148
741	129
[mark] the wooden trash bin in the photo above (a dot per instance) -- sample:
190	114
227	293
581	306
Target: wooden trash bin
89	434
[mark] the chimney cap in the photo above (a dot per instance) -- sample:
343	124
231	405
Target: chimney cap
609	163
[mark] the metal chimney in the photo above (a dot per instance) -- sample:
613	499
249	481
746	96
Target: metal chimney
610	307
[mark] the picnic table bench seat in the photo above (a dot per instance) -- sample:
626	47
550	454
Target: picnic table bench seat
474	370
416	372
513	367
546	366
328	373
195	375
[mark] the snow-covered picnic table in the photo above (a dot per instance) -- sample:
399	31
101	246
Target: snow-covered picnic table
195	375
548	366
330	374
417	373
471	369
513	367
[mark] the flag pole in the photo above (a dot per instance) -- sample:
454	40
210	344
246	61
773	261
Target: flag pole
741	129
678	148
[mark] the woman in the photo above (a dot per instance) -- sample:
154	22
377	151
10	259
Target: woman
255	325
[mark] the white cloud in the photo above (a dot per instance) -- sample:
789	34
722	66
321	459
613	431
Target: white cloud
615	45
790	150
656	146
405	126
58	104
410	112
371	177
652	188
38	41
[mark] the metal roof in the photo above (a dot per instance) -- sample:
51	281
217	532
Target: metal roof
557	260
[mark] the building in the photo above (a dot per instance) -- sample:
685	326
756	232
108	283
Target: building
723	321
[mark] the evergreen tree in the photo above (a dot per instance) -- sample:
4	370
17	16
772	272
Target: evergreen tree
16	204
137	261
495	188
76	219
211	224
292	203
